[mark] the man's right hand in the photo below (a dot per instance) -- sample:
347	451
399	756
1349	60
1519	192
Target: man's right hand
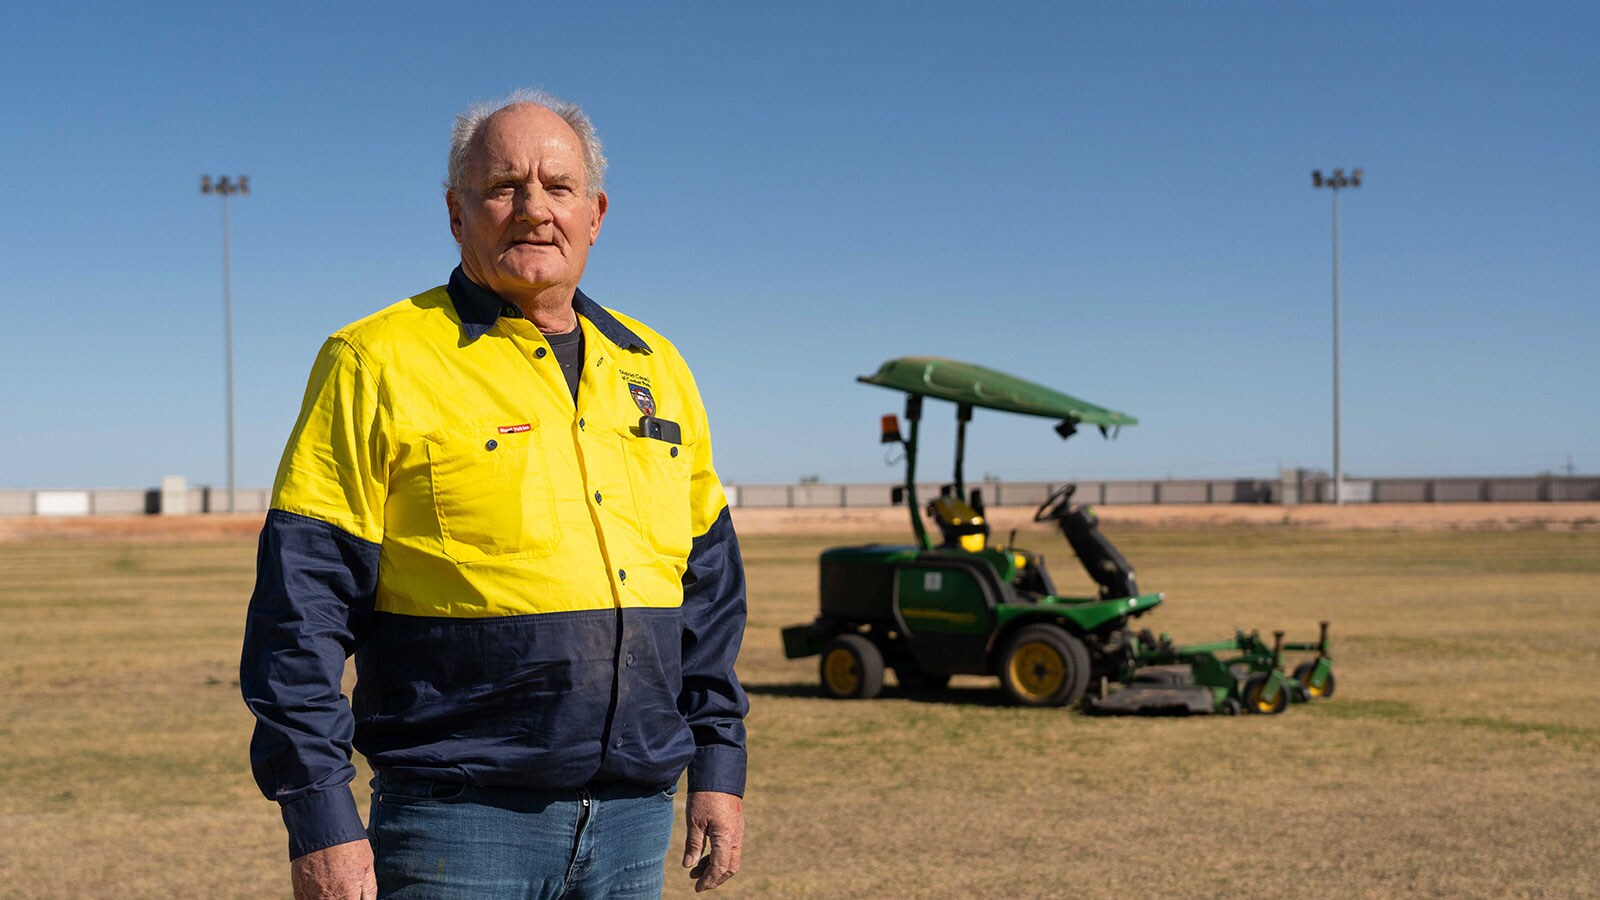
341	872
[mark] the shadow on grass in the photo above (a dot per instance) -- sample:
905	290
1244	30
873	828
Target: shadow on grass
953	696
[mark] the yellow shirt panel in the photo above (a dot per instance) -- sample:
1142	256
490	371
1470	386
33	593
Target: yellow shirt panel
490	492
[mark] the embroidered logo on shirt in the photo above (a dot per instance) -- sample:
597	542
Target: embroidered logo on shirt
642	399
516	429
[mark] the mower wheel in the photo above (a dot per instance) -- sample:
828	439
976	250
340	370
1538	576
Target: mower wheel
851	668
1302	674
1043	665
914	679
1255	703
1229	707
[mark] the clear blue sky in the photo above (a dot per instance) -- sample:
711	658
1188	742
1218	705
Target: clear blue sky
1113	199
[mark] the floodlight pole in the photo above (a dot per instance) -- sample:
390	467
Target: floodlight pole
1334	183
223	187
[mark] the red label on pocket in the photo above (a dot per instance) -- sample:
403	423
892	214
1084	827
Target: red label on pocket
516	429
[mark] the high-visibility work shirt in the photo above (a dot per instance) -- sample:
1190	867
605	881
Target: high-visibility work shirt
537	591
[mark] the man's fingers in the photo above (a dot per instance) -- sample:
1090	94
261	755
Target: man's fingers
356	888
721	865
369	886
716	827
696	843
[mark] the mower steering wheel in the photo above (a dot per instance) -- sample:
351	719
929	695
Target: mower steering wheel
1055	505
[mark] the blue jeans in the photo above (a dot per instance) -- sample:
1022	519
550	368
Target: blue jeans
445	841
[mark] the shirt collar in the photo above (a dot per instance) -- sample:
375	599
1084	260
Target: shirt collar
479	308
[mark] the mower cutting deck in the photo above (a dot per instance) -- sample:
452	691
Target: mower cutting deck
1169	680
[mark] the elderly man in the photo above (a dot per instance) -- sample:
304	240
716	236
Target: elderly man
499	496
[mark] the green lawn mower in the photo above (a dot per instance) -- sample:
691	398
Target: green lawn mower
964	606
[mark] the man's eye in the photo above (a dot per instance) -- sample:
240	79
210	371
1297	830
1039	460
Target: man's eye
559	189
502	190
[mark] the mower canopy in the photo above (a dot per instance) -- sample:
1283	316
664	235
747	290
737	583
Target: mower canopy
973	385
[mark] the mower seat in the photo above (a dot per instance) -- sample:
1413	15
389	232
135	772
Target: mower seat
960	526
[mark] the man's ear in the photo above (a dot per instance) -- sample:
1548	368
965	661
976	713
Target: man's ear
600	204
453	204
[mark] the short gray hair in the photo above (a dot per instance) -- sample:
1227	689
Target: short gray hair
469	122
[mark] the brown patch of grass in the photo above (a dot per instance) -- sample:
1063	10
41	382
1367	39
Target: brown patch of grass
1460	758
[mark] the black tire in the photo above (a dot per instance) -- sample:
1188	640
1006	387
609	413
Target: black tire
1230	707
1043	665
851	668
915	680
1251	697
1302	674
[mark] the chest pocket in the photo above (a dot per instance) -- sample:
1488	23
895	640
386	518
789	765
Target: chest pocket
492	494
659	475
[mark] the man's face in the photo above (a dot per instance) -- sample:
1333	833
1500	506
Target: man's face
524	217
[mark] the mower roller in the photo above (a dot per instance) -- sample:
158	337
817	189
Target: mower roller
963	606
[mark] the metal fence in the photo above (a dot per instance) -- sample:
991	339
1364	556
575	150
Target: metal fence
1293	488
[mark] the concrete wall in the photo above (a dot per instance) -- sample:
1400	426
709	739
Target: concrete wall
1575	489
16	503
1288	489
122	502
129	501
1403	490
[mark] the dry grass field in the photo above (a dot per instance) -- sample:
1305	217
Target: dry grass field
1460	758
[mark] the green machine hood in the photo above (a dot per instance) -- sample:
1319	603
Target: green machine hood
974	385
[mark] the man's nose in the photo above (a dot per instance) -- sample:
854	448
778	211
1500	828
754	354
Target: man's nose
532	205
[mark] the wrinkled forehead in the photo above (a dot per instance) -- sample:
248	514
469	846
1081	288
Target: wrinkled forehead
525	139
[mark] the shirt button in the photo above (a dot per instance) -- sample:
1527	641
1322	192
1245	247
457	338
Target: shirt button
597	496
674	452
630	659
580	424
539	353
617	742
622	574
490	444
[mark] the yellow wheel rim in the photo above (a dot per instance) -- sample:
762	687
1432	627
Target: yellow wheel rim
1311	689
1037	670
1262	704
841	672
